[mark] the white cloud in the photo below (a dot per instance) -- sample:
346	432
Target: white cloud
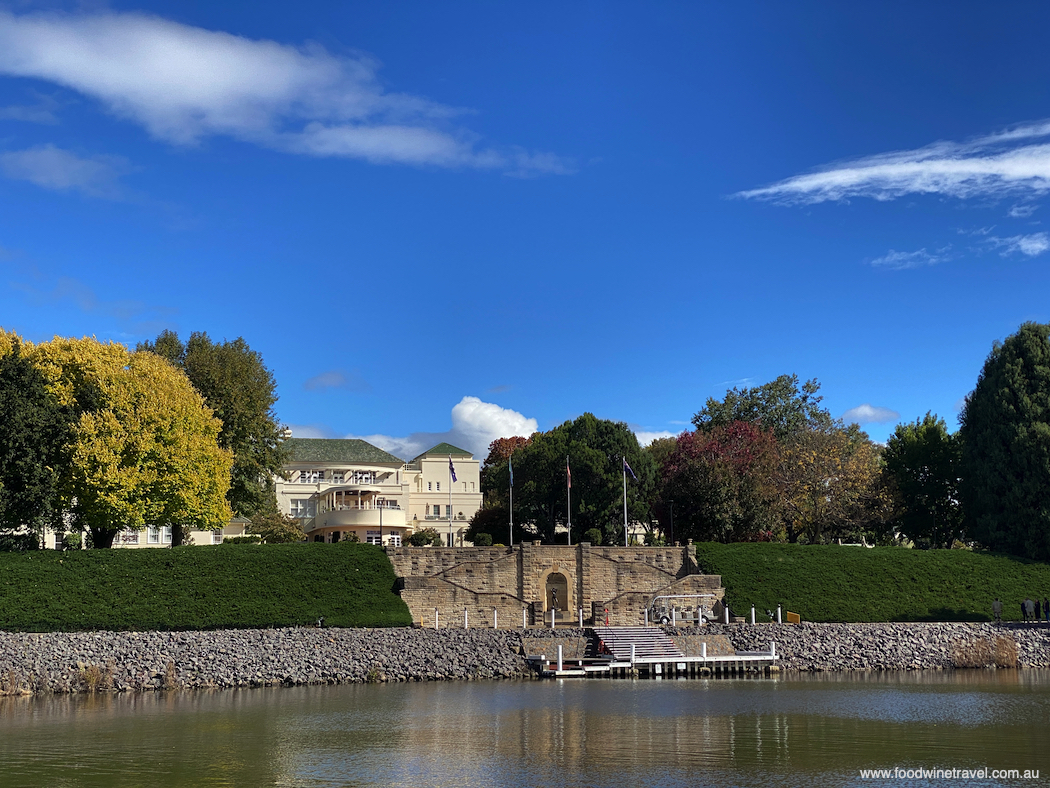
186	83
54	168
898	261
870	414
645	438
1031	245
1022	211
1012	162
338	379
475	424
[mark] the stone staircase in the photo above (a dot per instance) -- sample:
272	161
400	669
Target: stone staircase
647	642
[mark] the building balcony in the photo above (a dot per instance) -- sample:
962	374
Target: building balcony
353	517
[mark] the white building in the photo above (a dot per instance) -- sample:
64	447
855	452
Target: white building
338	487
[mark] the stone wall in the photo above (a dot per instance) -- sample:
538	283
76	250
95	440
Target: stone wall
494	585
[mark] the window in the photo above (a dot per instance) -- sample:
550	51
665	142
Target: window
303	507
363	477
395	540
311	477
439	486
373	537
448	512
128	537
430	486
153	535
216	537
337	477
60	541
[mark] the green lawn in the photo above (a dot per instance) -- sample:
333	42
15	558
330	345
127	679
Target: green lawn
220	587
834	583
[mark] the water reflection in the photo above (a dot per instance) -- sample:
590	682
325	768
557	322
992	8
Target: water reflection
791	730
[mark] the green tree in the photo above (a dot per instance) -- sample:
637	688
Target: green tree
144	448
1005	433
274	526
35	437
241	391
924	460
779	406
595	449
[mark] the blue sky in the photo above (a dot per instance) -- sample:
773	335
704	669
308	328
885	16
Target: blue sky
462	220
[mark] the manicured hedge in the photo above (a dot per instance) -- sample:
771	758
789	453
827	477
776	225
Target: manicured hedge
208	587
854	584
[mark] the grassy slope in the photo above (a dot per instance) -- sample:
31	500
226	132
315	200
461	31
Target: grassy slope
833	583
220	587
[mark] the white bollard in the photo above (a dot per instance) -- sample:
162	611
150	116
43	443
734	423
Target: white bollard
673	617
524	623
581	616
703	649
632	655
559	659
778	615
464	618
646	613
552	618
752	615
495	618
437	624
725	612
773	649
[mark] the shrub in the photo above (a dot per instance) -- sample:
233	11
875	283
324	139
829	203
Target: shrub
247	539
425	537
483	540
72	541
17	543
593	535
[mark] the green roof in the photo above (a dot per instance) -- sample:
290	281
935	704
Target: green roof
445	449
336	450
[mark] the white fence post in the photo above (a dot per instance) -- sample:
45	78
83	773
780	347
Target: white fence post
773	649
559	658
633	655
495	618
581	616
552	618
778	615
752	615
524	624
464	618
703	649
437	623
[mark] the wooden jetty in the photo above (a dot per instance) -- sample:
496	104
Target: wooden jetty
644	652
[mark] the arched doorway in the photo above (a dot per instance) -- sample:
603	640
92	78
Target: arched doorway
557	592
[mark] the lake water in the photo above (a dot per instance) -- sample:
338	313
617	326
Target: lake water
790	731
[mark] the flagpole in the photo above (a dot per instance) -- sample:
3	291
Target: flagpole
451	541
626	541
510	466
568	494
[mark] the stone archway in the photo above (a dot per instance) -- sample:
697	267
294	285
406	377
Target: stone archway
556	592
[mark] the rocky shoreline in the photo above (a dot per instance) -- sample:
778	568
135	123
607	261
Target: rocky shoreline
144	661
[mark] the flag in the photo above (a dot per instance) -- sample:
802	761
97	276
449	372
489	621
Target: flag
627	468
510	466
568	473
451	468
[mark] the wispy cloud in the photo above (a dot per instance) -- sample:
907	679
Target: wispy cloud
43	111
185	83
61	170
870	414
1022	211
475	424
138	317
1016	161
338	379
1030	245
898	261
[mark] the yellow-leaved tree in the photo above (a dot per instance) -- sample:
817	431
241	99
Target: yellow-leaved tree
145	447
